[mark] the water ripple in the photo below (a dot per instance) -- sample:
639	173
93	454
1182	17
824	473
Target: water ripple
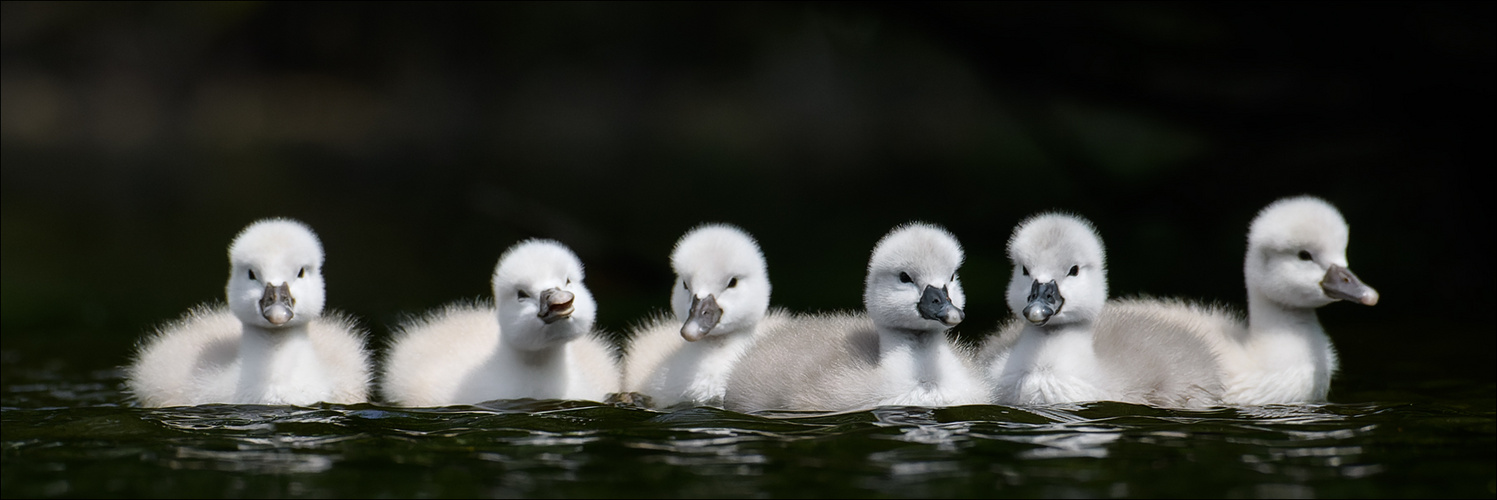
94	445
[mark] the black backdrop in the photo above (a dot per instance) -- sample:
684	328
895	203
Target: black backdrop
421	140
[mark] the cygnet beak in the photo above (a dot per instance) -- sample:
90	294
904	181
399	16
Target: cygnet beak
705	314
1340	283
555	305
1044	302
276	304
936	304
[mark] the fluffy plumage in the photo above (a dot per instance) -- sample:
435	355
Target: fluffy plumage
270	344
1068	344
720	301
535	340
1295	263
1058	285
896	353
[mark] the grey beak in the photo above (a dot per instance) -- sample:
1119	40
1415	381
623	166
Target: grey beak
556	305
704	316
1044	302
1340	283
276	304
936	304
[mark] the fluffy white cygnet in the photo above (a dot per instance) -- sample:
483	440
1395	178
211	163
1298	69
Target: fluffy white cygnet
536	340
269	345
1295	264
720	301
895	354
1058	350
1058	287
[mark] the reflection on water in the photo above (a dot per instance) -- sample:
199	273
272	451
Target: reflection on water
75	437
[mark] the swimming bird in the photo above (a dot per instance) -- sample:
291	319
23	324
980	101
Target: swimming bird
535	340
1060	349
894	353
271	344
1295	263
720	300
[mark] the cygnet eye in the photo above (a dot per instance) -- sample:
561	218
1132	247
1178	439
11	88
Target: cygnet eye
1305	255
302	273
953	277
1026	270
732	282
905	278
252	273
684	286
569	281
522	295
1074	270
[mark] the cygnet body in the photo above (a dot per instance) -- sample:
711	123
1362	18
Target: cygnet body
1058	287
1065	343
535	341
1295	263
720	301
896	353
271	344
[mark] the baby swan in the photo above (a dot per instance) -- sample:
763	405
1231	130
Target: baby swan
1059	285
1295	264
269	345
720	301
536	341
895	354
1057	351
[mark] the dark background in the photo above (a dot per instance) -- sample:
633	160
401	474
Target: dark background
421	140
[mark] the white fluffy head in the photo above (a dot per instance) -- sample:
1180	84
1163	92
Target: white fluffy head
1066	249
904	262
525	273
1291	245
723	261
275	252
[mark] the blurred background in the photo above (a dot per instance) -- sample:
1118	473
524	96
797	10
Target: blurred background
422	140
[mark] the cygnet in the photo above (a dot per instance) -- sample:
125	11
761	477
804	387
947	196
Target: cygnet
535	340
270	345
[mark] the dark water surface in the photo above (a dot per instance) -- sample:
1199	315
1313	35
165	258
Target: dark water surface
71	433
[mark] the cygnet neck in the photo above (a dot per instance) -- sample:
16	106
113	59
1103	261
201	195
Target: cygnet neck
1266	315
552	352
277	363
259	337
924	347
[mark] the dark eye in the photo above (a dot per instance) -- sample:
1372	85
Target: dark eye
732	282
302	273
1304	255
684	287
252	273
905	278
522	295
953	277
1074	270
1026	271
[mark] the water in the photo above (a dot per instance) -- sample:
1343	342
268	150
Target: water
71	433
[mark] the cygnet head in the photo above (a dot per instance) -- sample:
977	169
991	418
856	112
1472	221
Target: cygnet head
912	283
1060	274
275	277
721	283
540	297
1296	256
